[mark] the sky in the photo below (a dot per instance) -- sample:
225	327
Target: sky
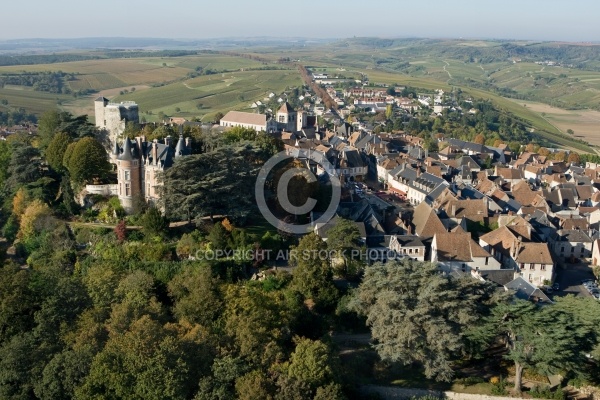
561	20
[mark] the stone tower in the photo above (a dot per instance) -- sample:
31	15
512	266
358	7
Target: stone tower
301	115
286	117
113	117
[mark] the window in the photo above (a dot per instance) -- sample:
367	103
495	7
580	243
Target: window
127	189
530	278
410	251
562	249
464	267
486	260
543	267
127	175
582	250
572	249
522	265
531	266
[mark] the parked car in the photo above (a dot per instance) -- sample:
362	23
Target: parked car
555	286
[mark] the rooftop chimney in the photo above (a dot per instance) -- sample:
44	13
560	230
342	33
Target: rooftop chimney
168	140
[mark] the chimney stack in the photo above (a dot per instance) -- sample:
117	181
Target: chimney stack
168	140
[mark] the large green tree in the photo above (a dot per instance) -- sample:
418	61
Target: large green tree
546	339
418	315
213	183
313	277
344	238
88	160
55	151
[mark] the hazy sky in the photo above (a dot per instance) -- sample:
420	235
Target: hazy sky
576	20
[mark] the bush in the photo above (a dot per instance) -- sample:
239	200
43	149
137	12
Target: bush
499	389
471	380
539	392
154	223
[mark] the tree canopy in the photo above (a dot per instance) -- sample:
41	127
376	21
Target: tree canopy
87	160
418	315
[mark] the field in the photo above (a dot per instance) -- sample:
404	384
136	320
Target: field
165	84
212	93
161	84
585	123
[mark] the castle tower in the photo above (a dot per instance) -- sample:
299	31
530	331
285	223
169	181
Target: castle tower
113	117
99	104
128	175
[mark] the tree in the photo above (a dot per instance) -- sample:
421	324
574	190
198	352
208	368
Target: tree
344	238
313	277
55	152
146	362
543	151
47	125
312	362
121	231
218	117
24	166
559	156
254	385
389	111
154	223
87	161
217	182
218	236
479	139
544	339
570	131
33	219
574	158
5	155
196	295
418	315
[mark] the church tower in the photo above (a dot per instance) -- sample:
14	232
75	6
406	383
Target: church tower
286	117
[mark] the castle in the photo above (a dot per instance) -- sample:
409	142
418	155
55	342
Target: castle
113	117
139	163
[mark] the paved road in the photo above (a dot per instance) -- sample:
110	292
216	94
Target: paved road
570	279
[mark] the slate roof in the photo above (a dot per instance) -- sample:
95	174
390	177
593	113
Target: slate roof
499	276
132	150
409	241
525	290
572	236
